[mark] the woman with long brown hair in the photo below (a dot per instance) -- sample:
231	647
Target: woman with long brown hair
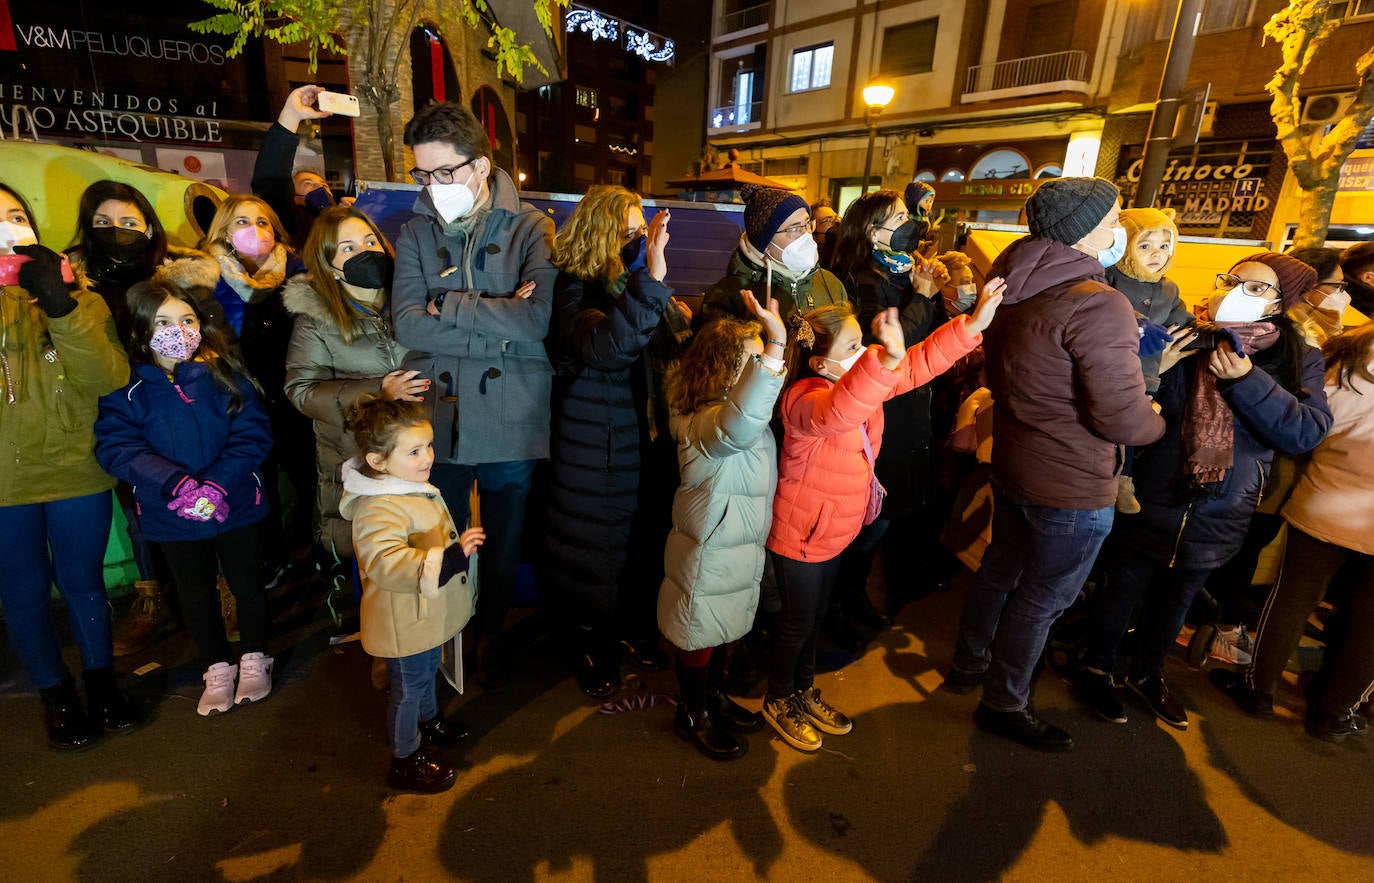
342	346
616	333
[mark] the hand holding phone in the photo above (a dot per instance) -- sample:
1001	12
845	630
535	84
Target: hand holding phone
338	102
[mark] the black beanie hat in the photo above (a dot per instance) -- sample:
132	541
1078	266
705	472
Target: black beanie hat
765	211
1067	209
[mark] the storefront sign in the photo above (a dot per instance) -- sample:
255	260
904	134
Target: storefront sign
1358	173
128	71
998	189
1214	188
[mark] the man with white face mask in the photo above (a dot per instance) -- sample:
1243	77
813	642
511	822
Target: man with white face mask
777	241
1064	370
472	297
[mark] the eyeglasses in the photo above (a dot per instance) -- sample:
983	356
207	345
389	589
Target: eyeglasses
1331	287
799	229
438	176
1252	287
631	235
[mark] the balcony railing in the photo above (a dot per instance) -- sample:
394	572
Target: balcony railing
735	116
1033	75
750	17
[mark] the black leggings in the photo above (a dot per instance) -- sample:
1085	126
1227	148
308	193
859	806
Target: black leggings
805	589
194	565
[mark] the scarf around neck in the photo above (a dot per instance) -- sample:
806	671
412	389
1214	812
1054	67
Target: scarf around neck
251	287
896	263
1209	430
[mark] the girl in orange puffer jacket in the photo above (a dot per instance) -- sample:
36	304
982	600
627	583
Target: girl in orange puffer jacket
832	417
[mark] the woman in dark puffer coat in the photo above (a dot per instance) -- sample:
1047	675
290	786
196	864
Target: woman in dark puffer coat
616	332
1226	411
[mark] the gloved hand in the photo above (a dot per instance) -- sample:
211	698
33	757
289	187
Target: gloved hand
1233	339
200	502
41	277
1154	338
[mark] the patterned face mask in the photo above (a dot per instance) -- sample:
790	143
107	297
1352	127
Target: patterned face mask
175	342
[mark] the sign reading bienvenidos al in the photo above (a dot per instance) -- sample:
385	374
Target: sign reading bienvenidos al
128	71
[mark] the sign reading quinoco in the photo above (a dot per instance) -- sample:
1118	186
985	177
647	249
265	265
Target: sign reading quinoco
1204	194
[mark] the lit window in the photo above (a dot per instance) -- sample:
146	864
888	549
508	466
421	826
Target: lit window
811	67
586	97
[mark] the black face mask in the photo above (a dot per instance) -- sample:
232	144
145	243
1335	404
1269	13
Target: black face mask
368	269
319	199
906	237
119	244
631	252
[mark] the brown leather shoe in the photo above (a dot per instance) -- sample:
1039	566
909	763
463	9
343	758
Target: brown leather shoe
147	620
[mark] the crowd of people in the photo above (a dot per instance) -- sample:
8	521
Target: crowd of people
720	483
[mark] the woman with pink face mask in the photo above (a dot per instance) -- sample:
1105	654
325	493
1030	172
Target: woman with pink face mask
189	434
255	259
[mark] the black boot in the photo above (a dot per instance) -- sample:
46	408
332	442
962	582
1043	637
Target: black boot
693	722
729	714
68	725
597	665
106	704
443	733
421	772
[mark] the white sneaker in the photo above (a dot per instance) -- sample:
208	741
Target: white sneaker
1229	646
255	678
219	688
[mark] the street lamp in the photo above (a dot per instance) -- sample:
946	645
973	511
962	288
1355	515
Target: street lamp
877	96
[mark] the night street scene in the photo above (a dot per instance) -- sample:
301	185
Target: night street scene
501	440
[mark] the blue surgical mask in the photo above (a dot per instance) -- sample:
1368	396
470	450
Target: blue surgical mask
1108	257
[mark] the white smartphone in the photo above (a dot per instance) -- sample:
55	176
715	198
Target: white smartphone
337	102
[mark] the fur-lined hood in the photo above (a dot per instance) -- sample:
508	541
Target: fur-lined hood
357	486
1141	222
301	299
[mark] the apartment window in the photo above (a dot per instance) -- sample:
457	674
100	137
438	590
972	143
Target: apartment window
586	97
1224	15
811	67
909	48
1350	9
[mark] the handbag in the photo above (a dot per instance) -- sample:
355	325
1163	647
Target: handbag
876	492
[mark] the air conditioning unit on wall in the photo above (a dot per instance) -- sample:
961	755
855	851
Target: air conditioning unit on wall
1325	110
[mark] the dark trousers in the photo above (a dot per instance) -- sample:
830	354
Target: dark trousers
502	489
1033	569
195	564
1230	584
805	590
1348	664
856	563
1163	595
62	541
145	557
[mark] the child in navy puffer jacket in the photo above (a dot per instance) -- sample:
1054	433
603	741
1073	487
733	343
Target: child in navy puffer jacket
190	434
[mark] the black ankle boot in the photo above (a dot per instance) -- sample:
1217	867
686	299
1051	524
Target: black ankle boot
421	772
597	666
693	722
68	725
725	711
106	703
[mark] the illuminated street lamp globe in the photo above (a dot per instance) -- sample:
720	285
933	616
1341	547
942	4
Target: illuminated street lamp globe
878	95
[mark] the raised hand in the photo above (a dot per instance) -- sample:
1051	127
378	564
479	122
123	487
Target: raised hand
300	106
986	308
887	327
655	245
774	330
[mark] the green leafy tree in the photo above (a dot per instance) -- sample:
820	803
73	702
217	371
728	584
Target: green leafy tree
377	33
1314	154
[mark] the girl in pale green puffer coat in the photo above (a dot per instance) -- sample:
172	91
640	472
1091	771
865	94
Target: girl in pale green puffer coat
721	398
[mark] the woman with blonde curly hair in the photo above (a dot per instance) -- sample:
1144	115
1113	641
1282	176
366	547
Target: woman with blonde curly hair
616	332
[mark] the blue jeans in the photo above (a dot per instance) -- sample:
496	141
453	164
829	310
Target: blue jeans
412	698
1166	593
502	488
64	542
1032	571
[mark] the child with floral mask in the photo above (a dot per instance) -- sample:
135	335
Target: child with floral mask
190	435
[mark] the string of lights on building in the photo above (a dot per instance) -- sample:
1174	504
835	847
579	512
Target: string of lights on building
632	38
